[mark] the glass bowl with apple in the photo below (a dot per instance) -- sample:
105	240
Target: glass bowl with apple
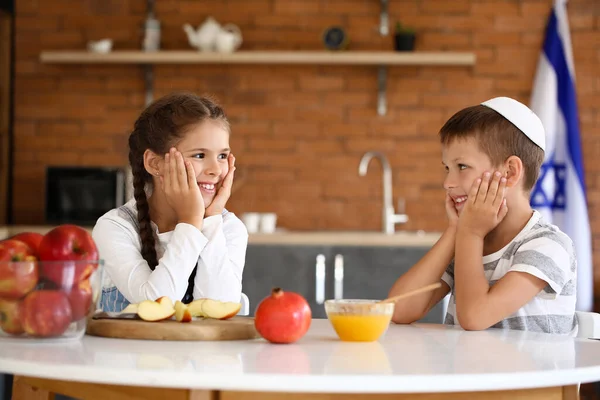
49	285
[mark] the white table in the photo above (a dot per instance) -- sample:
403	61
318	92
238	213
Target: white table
436	361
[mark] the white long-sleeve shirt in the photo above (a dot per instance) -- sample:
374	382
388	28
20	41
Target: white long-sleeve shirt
218	251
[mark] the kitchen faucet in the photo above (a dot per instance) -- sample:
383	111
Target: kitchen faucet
390	218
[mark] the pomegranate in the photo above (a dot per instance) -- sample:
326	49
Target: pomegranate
282	317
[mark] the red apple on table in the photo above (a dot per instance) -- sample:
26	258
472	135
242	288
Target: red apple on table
68	243
282	317
80	299
10	316
15	250
46	313
31	239
18	269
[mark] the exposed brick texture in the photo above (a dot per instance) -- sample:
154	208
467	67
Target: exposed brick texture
298	131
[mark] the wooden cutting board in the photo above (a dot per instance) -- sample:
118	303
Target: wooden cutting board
236	328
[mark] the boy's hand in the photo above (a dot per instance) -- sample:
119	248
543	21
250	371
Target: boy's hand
451	212
485	206
217	206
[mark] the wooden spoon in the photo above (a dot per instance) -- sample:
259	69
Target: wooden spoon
412	293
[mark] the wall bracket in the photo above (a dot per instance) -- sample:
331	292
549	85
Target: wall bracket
149	83
381	90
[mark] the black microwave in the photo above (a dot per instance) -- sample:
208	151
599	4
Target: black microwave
80	195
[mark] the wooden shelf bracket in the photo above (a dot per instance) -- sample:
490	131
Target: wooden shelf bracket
381	91
149	83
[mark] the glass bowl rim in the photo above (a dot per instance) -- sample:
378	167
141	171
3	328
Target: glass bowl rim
50	262
353	301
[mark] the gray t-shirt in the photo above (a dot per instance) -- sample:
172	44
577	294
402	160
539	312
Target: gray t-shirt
542	250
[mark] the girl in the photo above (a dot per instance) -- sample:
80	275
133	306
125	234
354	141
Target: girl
175	238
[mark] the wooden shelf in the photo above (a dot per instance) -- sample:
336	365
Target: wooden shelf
381	58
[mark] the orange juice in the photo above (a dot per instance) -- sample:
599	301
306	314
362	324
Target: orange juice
359	328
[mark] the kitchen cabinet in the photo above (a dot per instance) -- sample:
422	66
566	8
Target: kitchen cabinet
290	267
368	273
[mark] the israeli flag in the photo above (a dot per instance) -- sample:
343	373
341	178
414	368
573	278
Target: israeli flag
559	194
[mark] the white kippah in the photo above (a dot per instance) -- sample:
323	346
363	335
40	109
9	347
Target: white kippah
521	116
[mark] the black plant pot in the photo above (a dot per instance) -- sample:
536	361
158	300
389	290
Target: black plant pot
405	41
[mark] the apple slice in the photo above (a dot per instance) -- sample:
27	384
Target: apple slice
195	308
220	309
131	309
149	310
182	313
165	302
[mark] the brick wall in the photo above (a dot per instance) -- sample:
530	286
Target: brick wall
298	131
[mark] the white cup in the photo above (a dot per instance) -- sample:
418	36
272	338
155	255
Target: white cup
268	222
100	46
252	221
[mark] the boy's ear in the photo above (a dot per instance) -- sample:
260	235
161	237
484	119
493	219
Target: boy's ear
513	171
152	162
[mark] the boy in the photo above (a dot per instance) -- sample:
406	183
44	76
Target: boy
503	264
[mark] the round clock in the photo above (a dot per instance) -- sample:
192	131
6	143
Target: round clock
335	38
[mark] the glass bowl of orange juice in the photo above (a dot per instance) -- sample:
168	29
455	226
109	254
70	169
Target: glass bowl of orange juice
359	320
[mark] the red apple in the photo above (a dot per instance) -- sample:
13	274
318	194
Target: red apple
17	278
68	243
18	269
15	250
31	239
282	317
46	313
80	298
10	316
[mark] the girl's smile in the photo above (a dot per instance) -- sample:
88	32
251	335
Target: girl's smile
208	188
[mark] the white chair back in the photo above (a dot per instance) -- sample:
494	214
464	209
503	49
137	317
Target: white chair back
245	310
445	302
589	324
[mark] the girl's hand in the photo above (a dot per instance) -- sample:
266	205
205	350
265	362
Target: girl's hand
217	206
451	212
181	189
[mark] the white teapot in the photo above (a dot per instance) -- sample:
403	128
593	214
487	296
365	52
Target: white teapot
203	38
229	39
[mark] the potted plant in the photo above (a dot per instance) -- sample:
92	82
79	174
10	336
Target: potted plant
404	38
